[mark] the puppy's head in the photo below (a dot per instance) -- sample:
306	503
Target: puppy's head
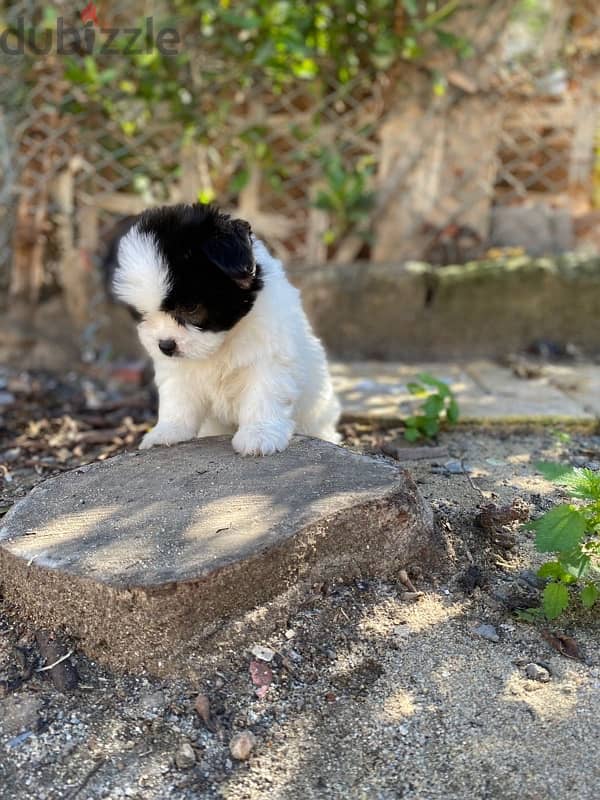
188	275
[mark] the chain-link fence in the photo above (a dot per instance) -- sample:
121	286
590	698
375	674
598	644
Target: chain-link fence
480	133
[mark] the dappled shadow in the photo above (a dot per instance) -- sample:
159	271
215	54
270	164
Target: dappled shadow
409	702
413	704
380	390
178	513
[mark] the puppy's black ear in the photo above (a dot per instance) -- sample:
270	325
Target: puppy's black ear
231	251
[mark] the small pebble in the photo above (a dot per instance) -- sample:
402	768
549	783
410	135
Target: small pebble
10	455
263	653
185	758
241	745
487	632
537	673
530	578
455	467
152	700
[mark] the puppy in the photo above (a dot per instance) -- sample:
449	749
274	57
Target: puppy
233	351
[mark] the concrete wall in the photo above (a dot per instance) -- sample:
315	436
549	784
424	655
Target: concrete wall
406	312
485	308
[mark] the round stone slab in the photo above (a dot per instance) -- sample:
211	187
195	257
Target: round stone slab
138	554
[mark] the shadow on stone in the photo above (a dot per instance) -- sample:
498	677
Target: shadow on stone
143	554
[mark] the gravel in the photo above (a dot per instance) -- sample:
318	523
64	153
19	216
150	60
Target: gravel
371	696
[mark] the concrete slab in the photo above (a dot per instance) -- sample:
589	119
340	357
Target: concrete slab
508	397
486	391
580	382
138	554
378	390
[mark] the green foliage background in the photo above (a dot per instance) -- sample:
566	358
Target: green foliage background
234	56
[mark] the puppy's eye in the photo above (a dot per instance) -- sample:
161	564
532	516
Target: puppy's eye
190	315
135	314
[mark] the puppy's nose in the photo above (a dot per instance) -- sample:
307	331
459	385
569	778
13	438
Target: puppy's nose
167	346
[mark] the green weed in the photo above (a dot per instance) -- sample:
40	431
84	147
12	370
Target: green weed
571	532
439	408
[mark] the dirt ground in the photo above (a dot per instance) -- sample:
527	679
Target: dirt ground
369	692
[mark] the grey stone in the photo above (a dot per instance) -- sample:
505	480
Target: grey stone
172	543
152	701
539	230
185	758
487	632
455	467
530	578
263	653
241	745
19	713
537	673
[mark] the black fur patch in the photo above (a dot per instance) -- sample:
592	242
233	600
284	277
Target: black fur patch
214	280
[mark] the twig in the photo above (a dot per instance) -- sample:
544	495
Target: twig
103	436
58	661
31	462
343	613
403	575
87	779
470	479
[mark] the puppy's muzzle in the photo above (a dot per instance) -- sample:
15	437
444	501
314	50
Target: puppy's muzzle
167	346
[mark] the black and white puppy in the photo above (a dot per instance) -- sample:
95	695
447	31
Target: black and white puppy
233	351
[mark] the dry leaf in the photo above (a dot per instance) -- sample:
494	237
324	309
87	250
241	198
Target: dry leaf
202	706
565	645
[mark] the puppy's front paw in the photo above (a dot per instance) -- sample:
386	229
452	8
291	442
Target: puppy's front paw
163	434
262	439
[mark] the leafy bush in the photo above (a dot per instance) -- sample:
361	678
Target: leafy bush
572	533
239	55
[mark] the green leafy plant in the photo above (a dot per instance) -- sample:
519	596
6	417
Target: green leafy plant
572	533
439	408
346	194
235	56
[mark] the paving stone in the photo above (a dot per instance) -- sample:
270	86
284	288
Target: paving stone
136	554
485	391
506	396
378	389
580	382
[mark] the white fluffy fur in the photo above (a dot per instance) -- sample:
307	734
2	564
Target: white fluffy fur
264	380
142	279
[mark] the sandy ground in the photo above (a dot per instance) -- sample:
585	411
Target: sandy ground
370	695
